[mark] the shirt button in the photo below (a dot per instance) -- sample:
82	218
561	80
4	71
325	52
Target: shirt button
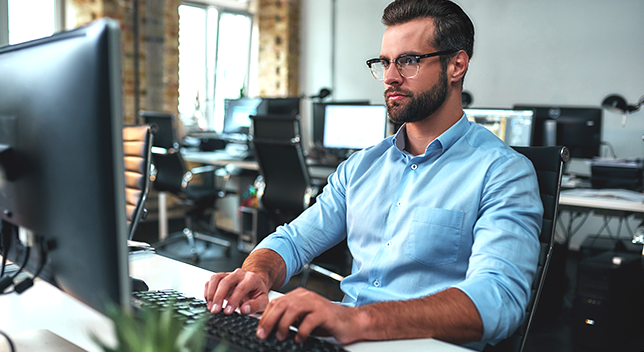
398	204
388	244
414	166
376	283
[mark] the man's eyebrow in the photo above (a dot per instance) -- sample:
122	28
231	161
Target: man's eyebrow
409	53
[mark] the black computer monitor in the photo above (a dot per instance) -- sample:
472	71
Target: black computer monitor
289	106
578	128
514	127
353	127
62	158
318	117
237	114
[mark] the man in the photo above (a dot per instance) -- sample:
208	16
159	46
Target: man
441	219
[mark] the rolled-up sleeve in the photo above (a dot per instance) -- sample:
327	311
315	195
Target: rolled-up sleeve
506	247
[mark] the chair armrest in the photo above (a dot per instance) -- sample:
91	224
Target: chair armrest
196	171
203	169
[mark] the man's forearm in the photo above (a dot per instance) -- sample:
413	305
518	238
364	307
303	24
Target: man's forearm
449	315
269	265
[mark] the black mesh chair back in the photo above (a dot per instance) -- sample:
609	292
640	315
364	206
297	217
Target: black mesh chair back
169	166
276	143
172	175
165	131
548	163
137	143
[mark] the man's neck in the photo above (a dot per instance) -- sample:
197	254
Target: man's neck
420	134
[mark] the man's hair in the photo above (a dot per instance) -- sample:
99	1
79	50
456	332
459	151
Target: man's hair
454	29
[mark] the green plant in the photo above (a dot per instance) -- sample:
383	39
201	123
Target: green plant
155	330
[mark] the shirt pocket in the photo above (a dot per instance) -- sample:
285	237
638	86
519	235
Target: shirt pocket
434	236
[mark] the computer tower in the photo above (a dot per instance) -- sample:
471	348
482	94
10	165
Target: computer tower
254	227
607	309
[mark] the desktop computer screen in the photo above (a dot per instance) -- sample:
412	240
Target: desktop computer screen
318	110
578	128
514	127
353	127
237	114
62	181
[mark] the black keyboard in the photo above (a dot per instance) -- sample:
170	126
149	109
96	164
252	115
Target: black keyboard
236	331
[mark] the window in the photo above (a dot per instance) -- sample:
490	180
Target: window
214	52
27	20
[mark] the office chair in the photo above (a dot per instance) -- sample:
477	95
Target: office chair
289	189
548	163
137	143
170	174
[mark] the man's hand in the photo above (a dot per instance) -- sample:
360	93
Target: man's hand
244	289
309	312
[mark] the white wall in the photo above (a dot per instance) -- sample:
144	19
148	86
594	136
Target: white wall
555	52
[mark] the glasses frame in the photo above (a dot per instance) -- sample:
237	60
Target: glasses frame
387	62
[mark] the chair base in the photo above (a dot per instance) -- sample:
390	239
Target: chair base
192	236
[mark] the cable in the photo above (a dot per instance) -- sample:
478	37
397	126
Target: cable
5	282
11	346
25	284
610	148
5	242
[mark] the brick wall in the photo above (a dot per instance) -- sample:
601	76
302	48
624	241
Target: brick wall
158	55
279	48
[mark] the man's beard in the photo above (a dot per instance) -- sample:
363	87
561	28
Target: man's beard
421	105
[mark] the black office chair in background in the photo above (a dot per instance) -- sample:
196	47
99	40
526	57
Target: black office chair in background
137	144
289	189
170	174
548	163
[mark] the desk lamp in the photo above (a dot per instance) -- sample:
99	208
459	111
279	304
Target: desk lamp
466	98
323	93
617	104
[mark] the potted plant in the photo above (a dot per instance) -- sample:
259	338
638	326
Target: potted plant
155	330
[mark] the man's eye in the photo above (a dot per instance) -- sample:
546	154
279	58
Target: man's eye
406	61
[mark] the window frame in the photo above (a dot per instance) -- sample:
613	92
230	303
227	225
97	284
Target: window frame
211	77
59	19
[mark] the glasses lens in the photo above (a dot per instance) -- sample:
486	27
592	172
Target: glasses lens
378	69
408	66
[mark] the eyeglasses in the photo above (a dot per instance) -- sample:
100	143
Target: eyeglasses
408	65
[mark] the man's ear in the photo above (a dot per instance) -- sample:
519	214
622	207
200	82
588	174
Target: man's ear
458	66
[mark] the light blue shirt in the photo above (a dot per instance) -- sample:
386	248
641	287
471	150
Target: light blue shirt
466	214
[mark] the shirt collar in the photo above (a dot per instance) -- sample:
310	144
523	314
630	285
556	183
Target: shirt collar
444	141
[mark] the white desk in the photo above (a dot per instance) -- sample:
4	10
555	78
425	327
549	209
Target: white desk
581	203
45	307
222	158
218	157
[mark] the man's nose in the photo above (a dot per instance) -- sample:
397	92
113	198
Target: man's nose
392	76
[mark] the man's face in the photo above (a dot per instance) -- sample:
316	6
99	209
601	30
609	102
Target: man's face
413	99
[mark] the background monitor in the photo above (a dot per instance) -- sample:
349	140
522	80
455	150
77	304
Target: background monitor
514	127
578	128
63	174
279	106
237	112
318	117
354	127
